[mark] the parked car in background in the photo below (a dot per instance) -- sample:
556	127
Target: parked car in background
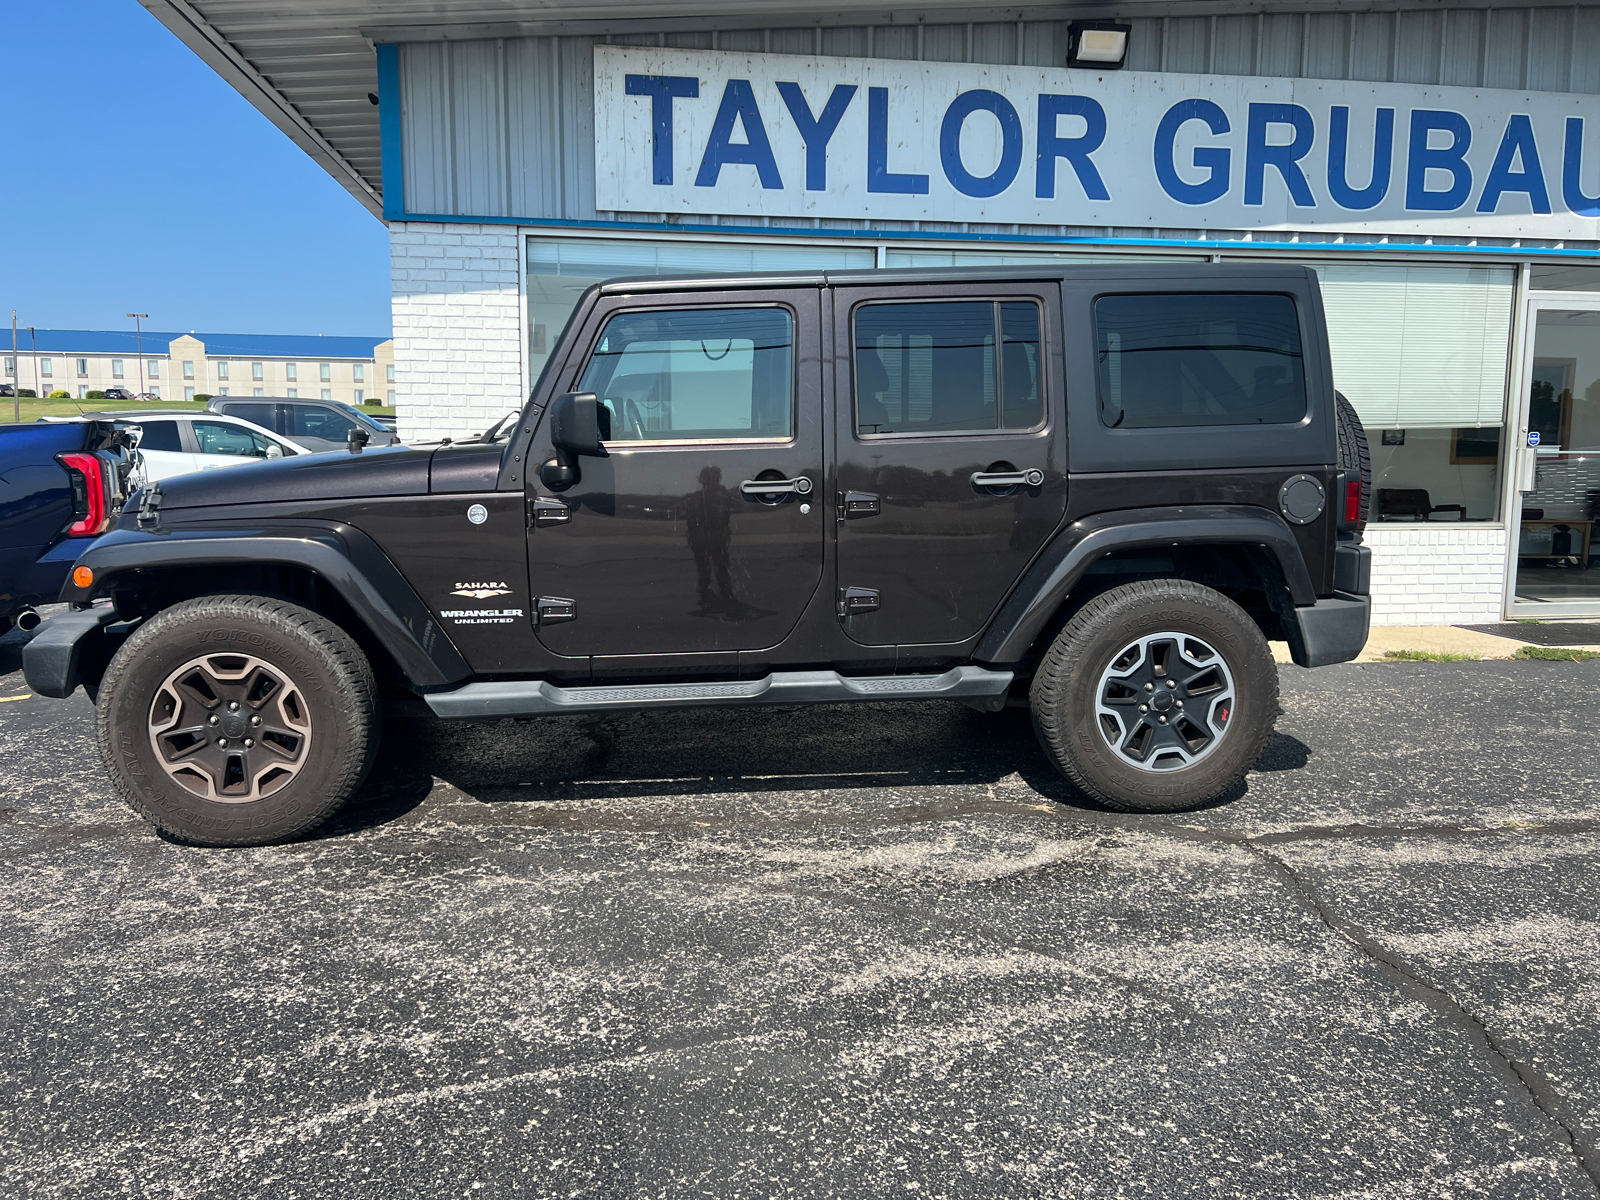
62	484
176	443
383	419
148	397
116	393
314	424
7	390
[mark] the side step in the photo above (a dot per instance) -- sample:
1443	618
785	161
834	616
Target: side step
529	698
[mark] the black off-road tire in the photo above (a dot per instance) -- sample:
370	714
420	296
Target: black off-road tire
1071	680
1355	459
310	657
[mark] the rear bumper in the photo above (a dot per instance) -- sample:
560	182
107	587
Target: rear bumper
1332	630
53	662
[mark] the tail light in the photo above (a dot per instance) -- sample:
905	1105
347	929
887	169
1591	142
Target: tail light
1348	491
91	494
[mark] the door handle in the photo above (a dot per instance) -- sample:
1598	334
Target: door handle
799	486
1006	479
860	504
549	512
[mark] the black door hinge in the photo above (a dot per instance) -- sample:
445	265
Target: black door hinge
543	512
853	601
552	610
859	504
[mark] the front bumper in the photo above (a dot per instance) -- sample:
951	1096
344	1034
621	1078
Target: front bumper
66	648
1332	630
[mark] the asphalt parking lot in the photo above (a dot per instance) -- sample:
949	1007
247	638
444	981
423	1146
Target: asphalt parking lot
827	952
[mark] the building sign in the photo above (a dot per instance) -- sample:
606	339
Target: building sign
706	132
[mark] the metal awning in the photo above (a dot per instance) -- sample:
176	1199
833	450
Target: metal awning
309	65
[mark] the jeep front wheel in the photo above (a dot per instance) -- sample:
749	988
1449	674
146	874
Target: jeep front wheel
237	720
1156	696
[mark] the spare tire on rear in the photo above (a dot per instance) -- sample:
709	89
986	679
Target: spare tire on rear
1354	458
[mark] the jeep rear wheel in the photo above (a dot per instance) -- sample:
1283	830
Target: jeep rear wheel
1157	696
237	720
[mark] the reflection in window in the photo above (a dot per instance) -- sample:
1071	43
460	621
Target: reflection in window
688	374
1198	359
931	367
213	437
308	420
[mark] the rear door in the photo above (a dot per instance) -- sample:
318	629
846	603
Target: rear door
951	467
668	545
161	445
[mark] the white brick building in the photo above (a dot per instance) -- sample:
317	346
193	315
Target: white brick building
1438	164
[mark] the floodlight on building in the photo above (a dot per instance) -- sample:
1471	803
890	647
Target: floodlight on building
1101	45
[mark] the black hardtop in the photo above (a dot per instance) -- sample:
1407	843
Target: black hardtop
1227	275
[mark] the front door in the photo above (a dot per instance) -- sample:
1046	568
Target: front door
951	463
700	532
1556	510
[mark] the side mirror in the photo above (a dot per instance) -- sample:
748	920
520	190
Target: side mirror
274	450
579	425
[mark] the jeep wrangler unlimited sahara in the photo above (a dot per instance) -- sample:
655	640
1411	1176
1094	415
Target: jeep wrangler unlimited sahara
1097	490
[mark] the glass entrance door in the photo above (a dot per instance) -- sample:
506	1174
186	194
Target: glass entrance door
1556	530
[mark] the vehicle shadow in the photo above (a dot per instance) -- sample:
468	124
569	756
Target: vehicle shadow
707	752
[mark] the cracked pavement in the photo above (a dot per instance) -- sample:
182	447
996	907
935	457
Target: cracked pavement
827	952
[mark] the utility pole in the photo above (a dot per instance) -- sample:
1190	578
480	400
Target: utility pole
138	347
38	387
16	375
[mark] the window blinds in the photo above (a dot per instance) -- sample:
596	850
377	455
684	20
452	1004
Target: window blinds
1420	347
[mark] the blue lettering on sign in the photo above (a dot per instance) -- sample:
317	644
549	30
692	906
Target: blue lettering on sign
817	131
1452	158
879	177
1259	154
1214	159
962	107
1075	150
1518	139
662	90
1572	173
1382	160
738	104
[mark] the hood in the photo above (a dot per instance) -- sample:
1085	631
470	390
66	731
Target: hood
331	475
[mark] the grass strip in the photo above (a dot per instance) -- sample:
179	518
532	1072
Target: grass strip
1429	656
1555	654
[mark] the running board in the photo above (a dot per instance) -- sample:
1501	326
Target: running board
529	698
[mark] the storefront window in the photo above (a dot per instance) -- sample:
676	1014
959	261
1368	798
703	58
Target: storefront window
991	258
1564	279
1421	352
1555	539
559	270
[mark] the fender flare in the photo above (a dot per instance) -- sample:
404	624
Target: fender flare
342	556
1054	574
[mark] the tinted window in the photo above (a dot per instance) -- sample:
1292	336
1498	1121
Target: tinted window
256	414
931	368
309	420
160	435
214	437
361	418
685	374
1198	359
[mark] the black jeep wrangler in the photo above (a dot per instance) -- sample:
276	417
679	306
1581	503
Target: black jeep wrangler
1096	490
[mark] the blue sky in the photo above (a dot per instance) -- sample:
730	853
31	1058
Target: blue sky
135	180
